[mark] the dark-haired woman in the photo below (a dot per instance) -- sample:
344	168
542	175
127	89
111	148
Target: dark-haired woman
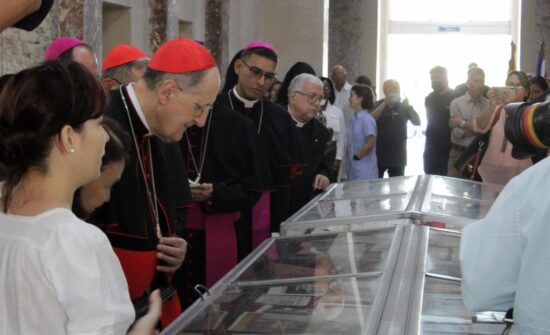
361	155
538	86
97	192
273	91
59	274
295	70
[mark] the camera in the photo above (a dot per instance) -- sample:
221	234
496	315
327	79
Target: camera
527	127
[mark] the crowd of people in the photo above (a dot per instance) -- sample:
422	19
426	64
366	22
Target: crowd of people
151	173
147	177
470	118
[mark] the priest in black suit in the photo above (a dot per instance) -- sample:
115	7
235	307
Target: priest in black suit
304	98
249	76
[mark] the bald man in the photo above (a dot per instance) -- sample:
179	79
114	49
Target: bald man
392	115
343	88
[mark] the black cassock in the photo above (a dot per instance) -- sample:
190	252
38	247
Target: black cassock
279	145
227	148
313	137
128	219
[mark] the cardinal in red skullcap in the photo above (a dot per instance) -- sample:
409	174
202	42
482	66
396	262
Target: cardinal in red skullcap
123	64
146	212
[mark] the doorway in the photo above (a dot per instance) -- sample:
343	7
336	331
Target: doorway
417	35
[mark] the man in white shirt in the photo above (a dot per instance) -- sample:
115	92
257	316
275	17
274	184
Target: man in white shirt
343	88
505	257
463	111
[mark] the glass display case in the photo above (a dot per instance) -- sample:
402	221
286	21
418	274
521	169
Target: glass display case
359	199
386	268
321	284
441	202
453	197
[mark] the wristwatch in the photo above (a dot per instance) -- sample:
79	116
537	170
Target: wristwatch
356	158
462	123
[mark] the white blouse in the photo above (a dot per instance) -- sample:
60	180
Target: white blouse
59	275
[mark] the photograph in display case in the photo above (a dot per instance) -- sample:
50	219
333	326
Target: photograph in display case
322	306
443	312
443	252
320	255
323	319
211	320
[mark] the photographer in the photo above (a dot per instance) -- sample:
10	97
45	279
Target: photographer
497	165
392	115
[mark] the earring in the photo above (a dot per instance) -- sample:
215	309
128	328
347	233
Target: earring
71	151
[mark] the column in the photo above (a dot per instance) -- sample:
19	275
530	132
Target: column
157	23
217	31
353	37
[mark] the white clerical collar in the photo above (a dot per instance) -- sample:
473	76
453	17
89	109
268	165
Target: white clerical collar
137	107
247	103
299	124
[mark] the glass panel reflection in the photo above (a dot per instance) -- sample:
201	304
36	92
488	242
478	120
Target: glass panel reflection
443	250
365	189
343	226
452	187
356	207
335	306
371	250
333	254
443	312
459	207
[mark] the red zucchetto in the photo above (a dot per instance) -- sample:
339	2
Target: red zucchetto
120	55
181	55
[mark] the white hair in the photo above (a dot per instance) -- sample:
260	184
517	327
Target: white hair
298	82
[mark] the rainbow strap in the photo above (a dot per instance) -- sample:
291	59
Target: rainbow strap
528	128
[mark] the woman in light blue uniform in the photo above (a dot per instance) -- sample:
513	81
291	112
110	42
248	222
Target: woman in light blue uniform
361	154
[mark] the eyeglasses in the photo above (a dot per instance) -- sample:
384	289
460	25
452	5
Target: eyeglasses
199	110
311	97
257	73
203	109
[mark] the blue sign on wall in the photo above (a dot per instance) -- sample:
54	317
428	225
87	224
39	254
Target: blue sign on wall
448	29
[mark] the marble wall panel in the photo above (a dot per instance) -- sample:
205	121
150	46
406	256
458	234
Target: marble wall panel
217	31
